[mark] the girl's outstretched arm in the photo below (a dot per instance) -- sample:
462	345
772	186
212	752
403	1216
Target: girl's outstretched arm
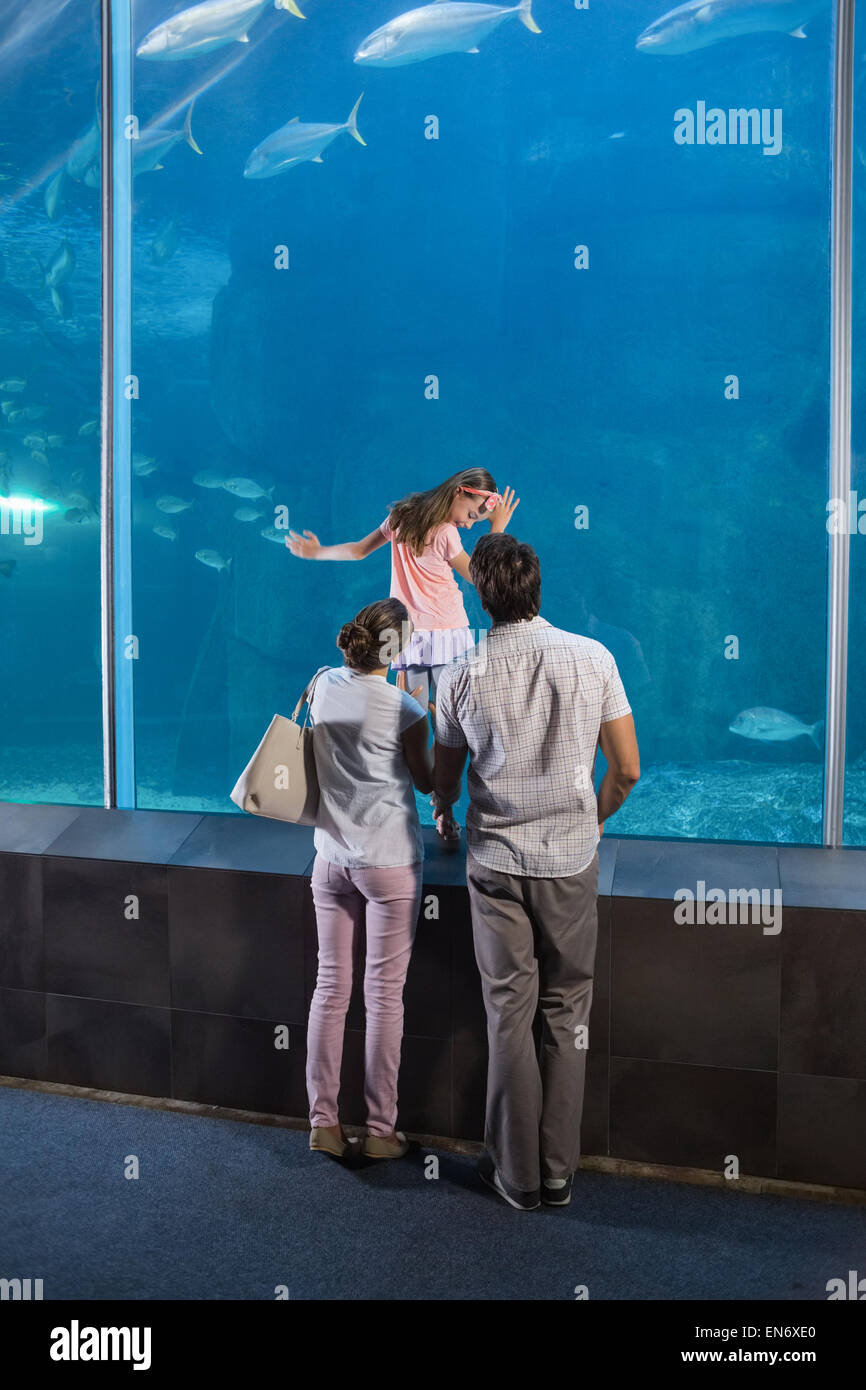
309	547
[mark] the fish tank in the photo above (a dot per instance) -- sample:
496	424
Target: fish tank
358	248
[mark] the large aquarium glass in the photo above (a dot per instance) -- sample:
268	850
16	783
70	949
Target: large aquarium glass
583	246
50	692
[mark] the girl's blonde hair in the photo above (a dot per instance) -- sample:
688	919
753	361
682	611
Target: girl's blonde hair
415	516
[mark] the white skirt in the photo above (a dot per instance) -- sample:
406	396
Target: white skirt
434	647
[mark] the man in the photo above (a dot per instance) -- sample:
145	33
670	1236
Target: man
530	706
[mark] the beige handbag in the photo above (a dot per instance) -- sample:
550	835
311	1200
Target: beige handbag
280	779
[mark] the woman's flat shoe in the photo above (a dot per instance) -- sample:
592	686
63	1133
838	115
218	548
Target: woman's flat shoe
376	1146
322	1141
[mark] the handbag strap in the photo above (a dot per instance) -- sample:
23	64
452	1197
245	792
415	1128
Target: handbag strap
308	695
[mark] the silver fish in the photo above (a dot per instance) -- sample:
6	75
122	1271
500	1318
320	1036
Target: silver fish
202	28
172	504
774	726
164	244
209	480
61	265
62	301
567	140
245	487
142	466
213	559
88	428
13	384
703	22
78	499
296	143
84	151
53	195
247	514
153	145
443	27
271	533
167	532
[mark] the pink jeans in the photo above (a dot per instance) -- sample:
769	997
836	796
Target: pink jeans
391	899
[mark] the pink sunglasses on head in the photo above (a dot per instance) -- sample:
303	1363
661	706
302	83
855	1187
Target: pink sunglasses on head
490	498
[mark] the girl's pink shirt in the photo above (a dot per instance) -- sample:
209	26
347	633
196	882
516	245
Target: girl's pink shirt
426	582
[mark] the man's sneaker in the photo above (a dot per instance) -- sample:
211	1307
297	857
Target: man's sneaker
556	1192
521	1201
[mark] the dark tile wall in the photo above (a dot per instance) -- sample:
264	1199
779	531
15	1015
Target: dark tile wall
22	1034
707	995
241	1063
822	1130
110	1046
236	943
823	1024
178	958
664	1112
22	953
106	930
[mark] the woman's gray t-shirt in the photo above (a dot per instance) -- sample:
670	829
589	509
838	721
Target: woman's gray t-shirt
367	814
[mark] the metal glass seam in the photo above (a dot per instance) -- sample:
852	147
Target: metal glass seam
116	550
840	422
106	539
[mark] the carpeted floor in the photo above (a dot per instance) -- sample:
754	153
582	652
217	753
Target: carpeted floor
227	1210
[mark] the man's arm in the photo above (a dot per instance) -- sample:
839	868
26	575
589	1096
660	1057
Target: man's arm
618	743
448	764
417	755
450	748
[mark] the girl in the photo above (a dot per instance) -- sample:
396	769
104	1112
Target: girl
426	552
370	747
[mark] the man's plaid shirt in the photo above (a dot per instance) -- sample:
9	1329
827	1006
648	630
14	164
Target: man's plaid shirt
528	703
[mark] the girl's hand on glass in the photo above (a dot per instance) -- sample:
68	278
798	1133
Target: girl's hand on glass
401	685
306	546
504	510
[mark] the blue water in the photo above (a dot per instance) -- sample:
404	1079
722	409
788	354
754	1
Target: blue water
684	530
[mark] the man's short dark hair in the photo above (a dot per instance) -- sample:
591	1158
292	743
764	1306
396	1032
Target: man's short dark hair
507	575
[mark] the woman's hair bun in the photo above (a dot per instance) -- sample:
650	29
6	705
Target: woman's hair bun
352	634
368	640
354	642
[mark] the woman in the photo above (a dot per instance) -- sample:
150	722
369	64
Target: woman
370	745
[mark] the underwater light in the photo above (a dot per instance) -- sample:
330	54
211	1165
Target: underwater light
30	504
